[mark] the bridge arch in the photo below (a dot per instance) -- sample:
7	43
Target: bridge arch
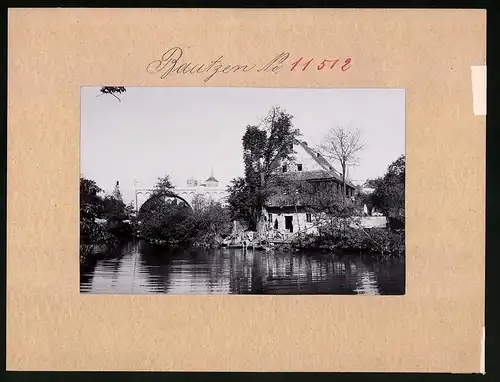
153	196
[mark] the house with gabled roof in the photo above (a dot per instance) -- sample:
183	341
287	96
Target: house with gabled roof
290	210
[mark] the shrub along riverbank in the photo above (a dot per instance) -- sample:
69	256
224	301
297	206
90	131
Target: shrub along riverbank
372	240
104	221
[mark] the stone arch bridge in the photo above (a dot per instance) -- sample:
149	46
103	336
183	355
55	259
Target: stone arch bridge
150	195
185	194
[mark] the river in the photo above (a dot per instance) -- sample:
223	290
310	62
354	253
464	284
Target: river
138	267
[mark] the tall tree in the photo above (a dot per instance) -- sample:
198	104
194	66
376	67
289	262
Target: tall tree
389	195
163	185
264	148
267	145
342	146
240	200
90	201
91	208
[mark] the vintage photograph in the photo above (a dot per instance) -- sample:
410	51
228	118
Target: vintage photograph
233	190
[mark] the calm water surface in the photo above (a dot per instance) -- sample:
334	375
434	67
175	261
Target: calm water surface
139	267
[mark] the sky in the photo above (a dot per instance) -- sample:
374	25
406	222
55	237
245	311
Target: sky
186	132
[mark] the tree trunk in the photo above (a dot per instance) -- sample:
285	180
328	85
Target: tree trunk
343	183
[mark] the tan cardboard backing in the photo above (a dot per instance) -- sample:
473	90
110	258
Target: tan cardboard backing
436	326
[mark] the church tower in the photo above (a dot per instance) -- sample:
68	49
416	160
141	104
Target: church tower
212	182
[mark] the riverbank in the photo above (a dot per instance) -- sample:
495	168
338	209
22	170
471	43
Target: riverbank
100	250
372	241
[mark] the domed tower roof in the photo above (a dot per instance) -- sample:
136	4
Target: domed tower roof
212	179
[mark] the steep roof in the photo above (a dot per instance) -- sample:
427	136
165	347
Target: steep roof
320	159
211	179
312	176
327	172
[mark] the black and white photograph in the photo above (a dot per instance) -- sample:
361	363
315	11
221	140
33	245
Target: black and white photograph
234	190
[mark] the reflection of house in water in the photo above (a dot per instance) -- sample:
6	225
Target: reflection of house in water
286	212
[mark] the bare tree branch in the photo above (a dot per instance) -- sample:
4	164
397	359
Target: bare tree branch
342	146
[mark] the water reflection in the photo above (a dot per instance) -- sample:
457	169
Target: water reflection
139	267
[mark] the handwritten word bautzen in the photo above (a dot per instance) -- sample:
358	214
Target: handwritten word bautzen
171	63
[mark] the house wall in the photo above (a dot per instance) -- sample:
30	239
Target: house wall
302	157
299	222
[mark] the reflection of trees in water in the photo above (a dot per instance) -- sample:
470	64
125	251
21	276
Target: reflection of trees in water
373	274
87	270
241	270
153	262
390	275
285	272
257	283
211	268
366	278
354	276
184	270
109	261
279	272
238	271
118	254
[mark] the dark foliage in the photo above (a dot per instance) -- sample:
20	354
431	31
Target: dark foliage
264	148
169	220
113	90
389	195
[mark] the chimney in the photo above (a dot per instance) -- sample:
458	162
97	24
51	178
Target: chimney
304	143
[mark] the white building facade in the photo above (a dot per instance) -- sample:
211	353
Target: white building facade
209	190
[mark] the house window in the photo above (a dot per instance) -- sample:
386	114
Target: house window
289	223
270	218
308	218
299	167
284	168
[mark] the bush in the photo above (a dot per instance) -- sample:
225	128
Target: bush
176	224
378	240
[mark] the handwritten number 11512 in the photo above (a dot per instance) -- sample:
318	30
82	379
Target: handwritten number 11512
325	64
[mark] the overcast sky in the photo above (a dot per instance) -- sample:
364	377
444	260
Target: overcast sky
184	132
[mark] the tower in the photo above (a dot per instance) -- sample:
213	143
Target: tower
211	181
191	182
116	192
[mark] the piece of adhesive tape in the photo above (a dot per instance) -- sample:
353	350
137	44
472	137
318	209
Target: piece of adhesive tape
478	74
